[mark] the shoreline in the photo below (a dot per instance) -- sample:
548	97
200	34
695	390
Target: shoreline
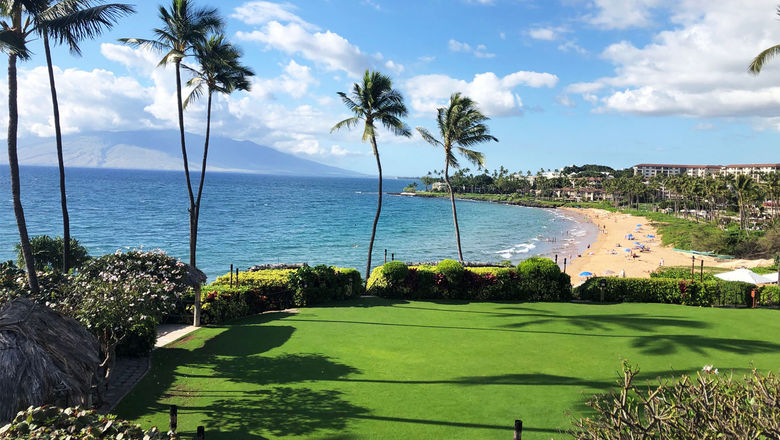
527	204
604	257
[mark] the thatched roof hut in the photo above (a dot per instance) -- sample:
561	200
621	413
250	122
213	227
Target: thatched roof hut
45	358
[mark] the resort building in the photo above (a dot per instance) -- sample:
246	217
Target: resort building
648	170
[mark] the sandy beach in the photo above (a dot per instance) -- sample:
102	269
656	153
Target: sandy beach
608	255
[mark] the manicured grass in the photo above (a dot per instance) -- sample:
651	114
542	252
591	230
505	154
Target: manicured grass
383	369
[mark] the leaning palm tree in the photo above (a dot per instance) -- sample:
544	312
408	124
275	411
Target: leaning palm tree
70	22
14	38
184	27
220	72
375	100
461	125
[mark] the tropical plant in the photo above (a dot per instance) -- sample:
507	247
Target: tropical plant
70	22
48	253
220	72
14	34
743	185
185	28
461	125
374	100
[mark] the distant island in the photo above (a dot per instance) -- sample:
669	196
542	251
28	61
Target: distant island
160	150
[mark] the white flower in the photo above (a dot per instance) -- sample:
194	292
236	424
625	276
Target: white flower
709	369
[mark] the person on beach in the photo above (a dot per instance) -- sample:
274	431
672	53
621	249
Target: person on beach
661	264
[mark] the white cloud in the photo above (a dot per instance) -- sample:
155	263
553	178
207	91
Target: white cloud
480	51
573	47
547	34
495	96
622	14
295	81
697	69
262	12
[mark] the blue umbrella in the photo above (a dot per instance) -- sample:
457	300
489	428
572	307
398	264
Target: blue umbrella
586	274
638	226
626	250
651	236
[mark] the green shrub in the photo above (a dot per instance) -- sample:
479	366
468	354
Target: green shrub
395	271
47	253
708	406
680	272
538	282
277	289
268	278
769	296
452	271
49	423
666	291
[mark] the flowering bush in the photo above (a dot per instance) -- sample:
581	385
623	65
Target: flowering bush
122	297
666	291
49	423
709	406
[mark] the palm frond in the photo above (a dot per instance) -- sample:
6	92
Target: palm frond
474	157
758	62
346	123
13	43
428	137
69	26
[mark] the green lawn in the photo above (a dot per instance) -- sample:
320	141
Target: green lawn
382	369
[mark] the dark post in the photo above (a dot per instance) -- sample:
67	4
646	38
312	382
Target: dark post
693	264
385	255
201	433
556	258
518	430
701	272
174	422
392	256
564	265
602	286
231	275
236	277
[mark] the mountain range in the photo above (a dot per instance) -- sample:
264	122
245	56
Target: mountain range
161	150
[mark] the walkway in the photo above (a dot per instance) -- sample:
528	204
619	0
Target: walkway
128	371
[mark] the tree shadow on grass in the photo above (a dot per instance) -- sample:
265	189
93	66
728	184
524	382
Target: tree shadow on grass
280	411
667	344
632	321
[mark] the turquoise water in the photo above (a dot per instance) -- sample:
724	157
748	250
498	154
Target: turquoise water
252	219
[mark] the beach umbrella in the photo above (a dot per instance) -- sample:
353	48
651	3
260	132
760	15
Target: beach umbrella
638	226
744	275
772	277
651	236
626	250
586	274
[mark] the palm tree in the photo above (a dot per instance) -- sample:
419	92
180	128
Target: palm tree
375	100
758	62
14	34
743	185
184	27
461	125
70	22
772	188
220	72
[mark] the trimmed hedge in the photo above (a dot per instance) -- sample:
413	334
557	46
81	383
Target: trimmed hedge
769	296
666	291
536	279
277	289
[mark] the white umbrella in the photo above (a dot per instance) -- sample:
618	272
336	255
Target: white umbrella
772	277
744	275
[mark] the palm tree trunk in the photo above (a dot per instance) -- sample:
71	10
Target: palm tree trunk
196	216
60	160
452	201
193	207
378	207
13	164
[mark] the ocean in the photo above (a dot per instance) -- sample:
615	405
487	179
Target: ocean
251	219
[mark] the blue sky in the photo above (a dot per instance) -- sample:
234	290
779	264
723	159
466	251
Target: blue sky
616	82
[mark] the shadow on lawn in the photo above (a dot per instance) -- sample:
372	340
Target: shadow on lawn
632	321
235	354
